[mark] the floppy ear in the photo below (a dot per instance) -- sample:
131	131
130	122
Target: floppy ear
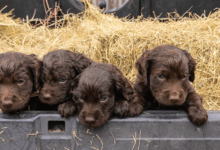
191	66
80	61
75	82
35	65
123	85
142	65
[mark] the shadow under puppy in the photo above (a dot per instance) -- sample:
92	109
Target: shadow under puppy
163	80
99	91
19	79
59	68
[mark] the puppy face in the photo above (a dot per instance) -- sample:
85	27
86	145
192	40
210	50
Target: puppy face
95	93
19	78
167	71
59	68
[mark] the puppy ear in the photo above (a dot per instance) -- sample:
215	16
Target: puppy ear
142	65
75	82
191	66
80	61
123	85
35	65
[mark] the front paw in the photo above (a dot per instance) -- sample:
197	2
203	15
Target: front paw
67	109
135	109
197	116
121	109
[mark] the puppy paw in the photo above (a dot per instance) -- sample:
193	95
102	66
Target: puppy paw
135	109
121	108
67	109
197	116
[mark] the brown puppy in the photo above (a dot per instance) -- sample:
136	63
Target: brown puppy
99	91
60	67
19	78
164	76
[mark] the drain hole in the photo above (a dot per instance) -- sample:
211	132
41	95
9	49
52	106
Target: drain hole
56	126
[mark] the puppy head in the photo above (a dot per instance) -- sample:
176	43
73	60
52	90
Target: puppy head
95	92
167	70
59	68
19	78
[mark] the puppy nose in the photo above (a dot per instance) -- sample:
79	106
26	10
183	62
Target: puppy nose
7	104
90	119
174	97
47	96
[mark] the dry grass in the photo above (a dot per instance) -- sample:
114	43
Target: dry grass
76	137
105	38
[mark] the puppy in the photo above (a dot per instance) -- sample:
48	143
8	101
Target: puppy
19	78
163	79
59	68
99	91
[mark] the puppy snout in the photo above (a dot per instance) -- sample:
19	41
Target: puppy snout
47	96
174	97
89	119
7	103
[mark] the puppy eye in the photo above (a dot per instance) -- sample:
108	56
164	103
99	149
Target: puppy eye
62	80
80	98
20	81
104	99
184	77
160	76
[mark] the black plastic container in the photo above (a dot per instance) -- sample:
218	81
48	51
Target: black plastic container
131	8
162	7
26	8
152	130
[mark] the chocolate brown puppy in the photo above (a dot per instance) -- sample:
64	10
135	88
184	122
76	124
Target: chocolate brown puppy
163	80
19	78
99	91
59	68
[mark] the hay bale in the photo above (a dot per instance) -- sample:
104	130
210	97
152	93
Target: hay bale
105	38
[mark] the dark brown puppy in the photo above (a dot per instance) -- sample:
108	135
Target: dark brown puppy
99	91
60	67
19	78
164	75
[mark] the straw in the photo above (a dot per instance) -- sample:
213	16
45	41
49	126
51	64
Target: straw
105	38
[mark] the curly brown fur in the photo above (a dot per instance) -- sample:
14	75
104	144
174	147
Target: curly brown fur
163	79
100	91
19	78
60	67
